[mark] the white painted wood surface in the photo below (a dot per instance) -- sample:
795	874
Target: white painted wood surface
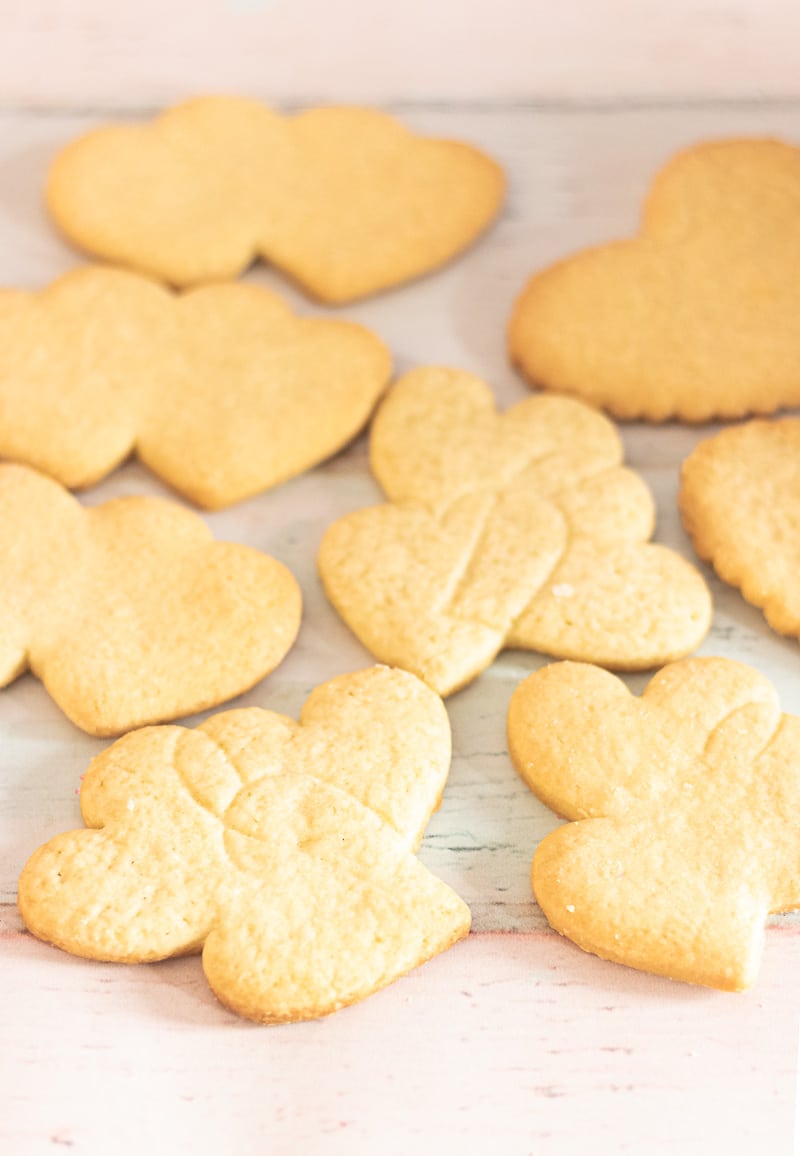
128	53
513	1041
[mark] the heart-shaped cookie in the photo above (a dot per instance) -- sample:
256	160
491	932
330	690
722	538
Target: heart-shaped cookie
130	612
694	319
222	391
740	503
283	851
346	201
514	530
684	806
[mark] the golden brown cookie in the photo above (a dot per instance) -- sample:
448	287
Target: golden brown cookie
223	392
684	806
130	612
346	201
283	851
696	317
521	529
740	503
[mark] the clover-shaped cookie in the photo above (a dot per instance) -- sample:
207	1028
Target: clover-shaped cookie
283	851
519	530
346	201
130	612
686	804
740	502
223	392
694	319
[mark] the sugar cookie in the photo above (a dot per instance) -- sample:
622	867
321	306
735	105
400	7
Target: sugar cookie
697	317
519	530
740	503
684	806
346	201
223	392
283	851
130	612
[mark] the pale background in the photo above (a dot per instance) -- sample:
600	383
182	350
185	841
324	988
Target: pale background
514	1041
81	52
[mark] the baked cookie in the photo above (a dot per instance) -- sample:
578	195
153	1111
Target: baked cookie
283	851
223	392
684	805
346	201
520	530
130	612
740	503
697	317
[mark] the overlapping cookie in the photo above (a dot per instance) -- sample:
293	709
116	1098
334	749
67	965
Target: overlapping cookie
283	851
740	503
223	392
130	612
694	319
684	804
346	201
519	530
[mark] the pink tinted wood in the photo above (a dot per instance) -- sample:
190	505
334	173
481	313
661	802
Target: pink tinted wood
150	53
522	1038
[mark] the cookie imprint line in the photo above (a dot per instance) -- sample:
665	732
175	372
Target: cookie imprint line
596	470
513	474
569	540
133	771
343	863
295	736
461	574
232	758
732	714
176	755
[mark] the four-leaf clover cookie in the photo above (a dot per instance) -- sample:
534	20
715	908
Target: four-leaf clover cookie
130	612
696	318
685	809
520	530
283	851
346	201
221	391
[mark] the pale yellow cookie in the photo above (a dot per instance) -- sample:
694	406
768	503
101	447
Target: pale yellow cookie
697	317
346	201
740	503
223	392
283	851
130	612
684	806
521	530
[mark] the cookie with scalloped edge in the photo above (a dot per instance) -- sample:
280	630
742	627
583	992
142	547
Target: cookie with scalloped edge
740	504
283	851
682	805
221	391
129	612
696	317
520	529
345	201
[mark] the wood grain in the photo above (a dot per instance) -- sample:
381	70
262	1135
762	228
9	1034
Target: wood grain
519	1041
515	1040
128	54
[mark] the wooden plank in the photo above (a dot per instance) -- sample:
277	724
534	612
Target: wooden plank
127	55
518	1040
